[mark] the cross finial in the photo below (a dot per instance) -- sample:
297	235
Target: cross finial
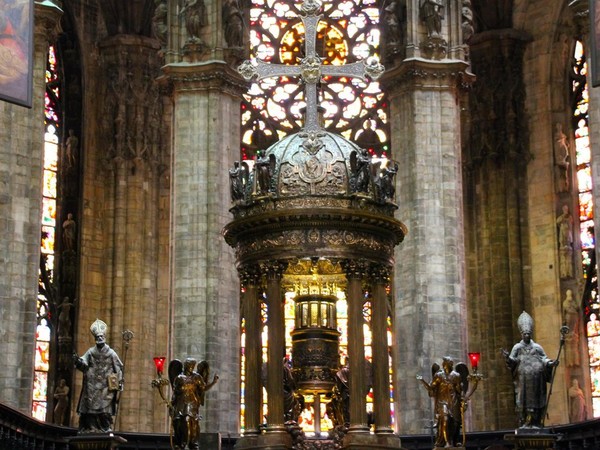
311	68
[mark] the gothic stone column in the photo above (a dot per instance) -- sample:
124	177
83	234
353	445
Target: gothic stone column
205	288
429	284
21	154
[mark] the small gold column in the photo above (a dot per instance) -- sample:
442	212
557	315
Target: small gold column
276	350
250	278
381	379
356	350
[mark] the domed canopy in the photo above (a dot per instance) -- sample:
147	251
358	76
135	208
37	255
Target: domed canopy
314	193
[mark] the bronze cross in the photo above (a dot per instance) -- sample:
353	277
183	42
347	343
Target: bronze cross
311	68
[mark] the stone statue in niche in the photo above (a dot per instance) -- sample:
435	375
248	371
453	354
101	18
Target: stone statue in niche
61	402
69	227
565	242
159	22
393	14
71	149
233	23
561	159
195	18
577	408
571	318
64	318
467	26
431	13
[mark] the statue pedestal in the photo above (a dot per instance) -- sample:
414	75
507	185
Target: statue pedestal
531	439
93	441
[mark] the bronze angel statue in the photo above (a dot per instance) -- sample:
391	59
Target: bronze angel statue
189	385
451	387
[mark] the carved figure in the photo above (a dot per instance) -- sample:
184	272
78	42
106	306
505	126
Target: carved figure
387	189
531	370
265	166
159	22
393	16
61	402
561	159
293	402
577	408
194	13
360	164
571	314
432	13
64	318
238	179
71	148
340	397
447	387
565	242
467	26
69	227
233	21
102	380
189	389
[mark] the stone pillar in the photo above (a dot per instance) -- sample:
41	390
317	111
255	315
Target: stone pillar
253	364
381	379
429	278
205	290
356	350
21	156
276	349
496	157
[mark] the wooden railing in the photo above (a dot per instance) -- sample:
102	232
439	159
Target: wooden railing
20	432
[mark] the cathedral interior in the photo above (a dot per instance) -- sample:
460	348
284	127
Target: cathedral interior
347	185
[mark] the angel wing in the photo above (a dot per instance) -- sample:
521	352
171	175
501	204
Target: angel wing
463	371
175	369
435	368
203	369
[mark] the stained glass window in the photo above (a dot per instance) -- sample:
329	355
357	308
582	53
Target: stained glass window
586	220
273	107
48	221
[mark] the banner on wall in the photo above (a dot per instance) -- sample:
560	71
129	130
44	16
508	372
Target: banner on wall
16	51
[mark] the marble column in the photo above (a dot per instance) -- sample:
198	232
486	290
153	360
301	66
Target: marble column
276	349
355	273
253	363
381	379
429	277
205	288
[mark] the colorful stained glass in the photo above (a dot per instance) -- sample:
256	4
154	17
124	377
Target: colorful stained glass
39	410
48	239
584	178
49	211
42	352
49	186
273	107
40	385
586	206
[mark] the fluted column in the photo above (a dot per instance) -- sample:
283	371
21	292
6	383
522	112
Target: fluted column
275	352
251	313
381	380
356	350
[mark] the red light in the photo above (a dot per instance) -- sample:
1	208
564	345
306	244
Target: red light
159	362
474	358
